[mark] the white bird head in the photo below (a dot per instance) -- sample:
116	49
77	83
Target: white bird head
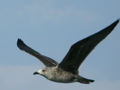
40	72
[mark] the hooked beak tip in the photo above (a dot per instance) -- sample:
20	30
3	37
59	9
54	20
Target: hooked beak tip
35	73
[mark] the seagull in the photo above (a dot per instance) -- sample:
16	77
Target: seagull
67	70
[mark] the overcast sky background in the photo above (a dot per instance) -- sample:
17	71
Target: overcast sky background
51	27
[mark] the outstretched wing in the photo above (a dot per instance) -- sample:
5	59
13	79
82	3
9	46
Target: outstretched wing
45	60
80	50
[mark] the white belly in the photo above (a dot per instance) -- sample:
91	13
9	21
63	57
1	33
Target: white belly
58	75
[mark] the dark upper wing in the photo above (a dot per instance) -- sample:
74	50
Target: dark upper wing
80	50
45	60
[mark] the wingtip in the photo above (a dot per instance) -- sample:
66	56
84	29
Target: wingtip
119	20
20	43
115	23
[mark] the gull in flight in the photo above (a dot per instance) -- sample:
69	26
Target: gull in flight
67	70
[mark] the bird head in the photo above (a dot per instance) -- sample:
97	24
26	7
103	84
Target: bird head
40	72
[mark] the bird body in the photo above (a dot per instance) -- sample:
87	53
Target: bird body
58	75
67	70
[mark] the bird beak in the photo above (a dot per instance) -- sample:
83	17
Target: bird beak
35	73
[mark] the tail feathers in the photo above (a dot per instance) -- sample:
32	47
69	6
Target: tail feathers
85	81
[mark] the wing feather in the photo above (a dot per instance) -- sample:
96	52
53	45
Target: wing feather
80	50
44	59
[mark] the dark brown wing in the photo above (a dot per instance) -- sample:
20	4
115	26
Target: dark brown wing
45	60
80	50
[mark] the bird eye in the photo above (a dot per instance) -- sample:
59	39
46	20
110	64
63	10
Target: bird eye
43	70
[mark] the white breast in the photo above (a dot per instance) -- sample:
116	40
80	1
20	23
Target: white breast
58	75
